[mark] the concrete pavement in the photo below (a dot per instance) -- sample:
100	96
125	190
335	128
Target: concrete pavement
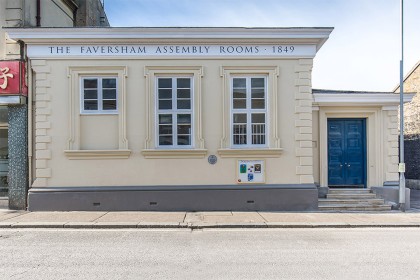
199	220
4	203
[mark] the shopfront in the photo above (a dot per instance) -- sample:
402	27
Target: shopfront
192	119
4	151
13	133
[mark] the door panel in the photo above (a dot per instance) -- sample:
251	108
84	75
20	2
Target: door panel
335	153
346	152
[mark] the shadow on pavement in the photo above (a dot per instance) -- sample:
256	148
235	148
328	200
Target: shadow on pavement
4	203
415	199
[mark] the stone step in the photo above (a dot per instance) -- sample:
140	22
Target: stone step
327	201
351	196
352	200
354	207
344	191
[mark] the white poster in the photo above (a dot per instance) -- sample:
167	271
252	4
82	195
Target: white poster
251	172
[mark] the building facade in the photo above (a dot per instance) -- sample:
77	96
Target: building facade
412	109
195	119
14	153
412	127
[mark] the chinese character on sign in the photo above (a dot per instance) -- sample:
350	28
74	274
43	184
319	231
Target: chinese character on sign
4	75
12	78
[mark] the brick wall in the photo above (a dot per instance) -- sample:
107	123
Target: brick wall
91	13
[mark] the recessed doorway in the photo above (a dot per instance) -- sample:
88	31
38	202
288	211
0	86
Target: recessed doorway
347	153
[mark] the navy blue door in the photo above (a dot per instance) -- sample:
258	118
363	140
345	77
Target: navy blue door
347	152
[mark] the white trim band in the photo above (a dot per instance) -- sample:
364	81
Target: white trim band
165	50
359	99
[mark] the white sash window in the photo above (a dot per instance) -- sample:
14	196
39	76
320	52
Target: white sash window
174	112
249	111
99	95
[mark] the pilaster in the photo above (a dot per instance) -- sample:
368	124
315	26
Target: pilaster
392	159
303	121
42	108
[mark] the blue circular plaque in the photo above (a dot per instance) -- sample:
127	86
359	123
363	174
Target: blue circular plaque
212	159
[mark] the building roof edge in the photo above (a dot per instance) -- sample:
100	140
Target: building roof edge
407	76
317	35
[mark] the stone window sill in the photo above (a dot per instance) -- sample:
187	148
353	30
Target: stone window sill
178	153
247	153
97	154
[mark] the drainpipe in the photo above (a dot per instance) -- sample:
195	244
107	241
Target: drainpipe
30	123
75	18
38	13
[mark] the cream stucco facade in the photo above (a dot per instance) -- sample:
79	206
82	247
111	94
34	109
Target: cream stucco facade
74	151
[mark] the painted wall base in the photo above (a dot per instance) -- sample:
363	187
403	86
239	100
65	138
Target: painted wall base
322	192
176	198
390	192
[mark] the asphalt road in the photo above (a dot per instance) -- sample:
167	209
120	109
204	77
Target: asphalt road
366	253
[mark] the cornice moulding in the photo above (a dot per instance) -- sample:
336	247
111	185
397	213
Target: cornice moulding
359	99
123	32
316	36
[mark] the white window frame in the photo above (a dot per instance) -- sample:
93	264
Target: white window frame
151	149
73	148
100	109
249	111
272	146
174	112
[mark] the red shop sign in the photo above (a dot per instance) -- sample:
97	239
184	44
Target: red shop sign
12	78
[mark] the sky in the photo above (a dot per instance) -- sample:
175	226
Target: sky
362	53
